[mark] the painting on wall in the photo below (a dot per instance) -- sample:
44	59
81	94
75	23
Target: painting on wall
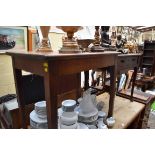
13	38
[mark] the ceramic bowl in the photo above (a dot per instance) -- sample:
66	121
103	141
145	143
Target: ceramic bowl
110	121
102	114
88	118
68	118
68	105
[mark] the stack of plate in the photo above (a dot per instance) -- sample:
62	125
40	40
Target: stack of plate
38	117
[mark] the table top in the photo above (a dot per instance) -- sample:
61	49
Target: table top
125	111
57	55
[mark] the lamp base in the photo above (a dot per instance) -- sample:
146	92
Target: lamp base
67	50
70	46
44	50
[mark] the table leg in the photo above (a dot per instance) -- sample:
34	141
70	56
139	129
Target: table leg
133	83
92	76
118	81
79	90
112	90
86	83
20	96
51	89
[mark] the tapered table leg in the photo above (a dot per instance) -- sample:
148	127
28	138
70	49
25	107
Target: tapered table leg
20	96
51	88
86	83
112	90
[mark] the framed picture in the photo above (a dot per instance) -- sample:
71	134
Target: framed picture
33	38
13	38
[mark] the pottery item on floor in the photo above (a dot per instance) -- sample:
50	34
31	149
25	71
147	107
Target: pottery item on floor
37	122
73	126
93	97
101	114
40	109
68	105
87	109
92	127
68	118
102	126
110	121
82	126
60	111
88	119
77	109
100	105
87	105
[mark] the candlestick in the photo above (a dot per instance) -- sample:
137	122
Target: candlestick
97	47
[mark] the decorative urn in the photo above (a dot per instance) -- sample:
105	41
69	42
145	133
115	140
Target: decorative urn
45	45
70	44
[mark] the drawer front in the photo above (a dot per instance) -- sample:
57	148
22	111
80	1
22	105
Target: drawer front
133	61
127	63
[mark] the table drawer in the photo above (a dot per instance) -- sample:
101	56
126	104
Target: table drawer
127	63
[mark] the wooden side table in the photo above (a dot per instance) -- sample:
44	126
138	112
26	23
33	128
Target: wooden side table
57	71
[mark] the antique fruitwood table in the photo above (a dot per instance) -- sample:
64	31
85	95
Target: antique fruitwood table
55	68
